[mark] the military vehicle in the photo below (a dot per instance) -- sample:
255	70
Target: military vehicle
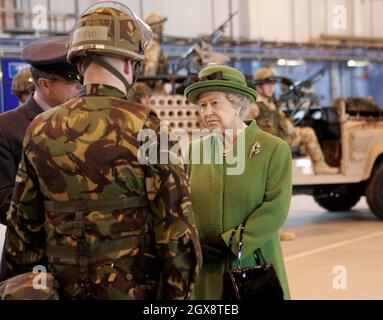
351	135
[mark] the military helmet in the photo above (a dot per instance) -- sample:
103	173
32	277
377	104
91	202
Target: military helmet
155	20
109	28
265	74
220	78
23	83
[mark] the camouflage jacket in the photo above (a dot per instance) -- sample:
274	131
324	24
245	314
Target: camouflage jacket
87	149
270	119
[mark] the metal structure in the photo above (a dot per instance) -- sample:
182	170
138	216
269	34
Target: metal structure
18	17
320	50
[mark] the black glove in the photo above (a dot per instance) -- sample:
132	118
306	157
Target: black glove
214	249
210	254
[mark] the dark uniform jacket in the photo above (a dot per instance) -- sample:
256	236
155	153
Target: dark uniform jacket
13	125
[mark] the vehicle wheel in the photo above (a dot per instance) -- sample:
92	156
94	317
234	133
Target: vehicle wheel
374	191
337	201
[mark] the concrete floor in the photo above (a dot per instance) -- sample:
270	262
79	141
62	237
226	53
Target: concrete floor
351	242
330	248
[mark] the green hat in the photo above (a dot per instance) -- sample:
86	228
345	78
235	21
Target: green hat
220	78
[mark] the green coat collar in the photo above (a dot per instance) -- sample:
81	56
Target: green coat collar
215	145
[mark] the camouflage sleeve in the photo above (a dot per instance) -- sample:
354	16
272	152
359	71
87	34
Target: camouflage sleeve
25	237
176	235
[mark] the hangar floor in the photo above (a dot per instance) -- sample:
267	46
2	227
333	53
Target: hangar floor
334	255
331	245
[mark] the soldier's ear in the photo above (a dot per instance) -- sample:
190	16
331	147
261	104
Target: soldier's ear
128	67
43	84
79	65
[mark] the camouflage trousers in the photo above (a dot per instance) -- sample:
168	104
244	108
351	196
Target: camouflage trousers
306	140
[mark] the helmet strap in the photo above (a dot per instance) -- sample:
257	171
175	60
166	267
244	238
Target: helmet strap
136	71
103	63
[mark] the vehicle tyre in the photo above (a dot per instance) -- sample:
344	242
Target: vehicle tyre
337	201
374	191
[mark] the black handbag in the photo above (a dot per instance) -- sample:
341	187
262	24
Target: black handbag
254	283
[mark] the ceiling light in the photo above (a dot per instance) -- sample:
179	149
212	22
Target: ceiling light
357	63
290	62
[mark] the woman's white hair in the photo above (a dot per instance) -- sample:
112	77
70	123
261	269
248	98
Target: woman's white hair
240	101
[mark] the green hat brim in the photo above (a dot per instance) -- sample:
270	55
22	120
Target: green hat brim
193	91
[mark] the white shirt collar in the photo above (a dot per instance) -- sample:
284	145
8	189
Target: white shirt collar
42	104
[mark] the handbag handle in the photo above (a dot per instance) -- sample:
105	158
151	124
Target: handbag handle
258	256
231	242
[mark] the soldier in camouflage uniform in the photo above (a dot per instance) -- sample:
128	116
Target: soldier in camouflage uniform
23	85
272	120
140	93
106	225
156	62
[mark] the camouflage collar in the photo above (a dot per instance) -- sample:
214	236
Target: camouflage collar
96	89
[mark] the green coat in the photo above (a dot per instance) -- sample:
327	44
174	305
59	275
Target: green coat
261	193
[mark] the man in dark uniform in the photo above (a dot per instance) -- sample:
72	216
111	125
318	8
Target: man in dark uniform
56	82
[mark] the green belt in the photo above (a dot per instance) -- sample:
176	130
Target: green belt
110	246
95	205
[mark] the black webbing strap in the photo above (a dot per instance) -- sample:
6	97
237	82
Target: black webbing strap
100	249
95	205
82	252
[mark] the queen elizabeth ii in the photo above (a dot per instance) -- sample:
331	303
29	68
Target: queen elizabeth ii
259	194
